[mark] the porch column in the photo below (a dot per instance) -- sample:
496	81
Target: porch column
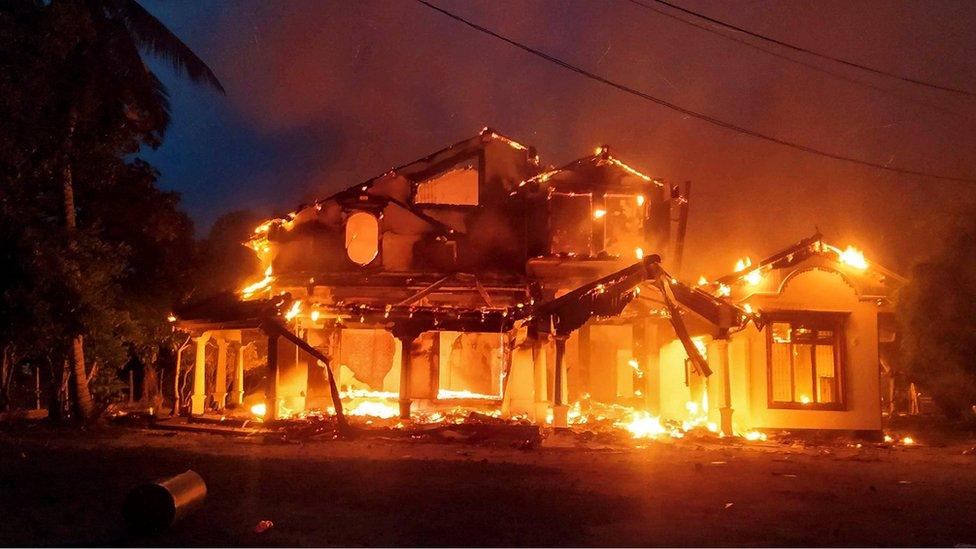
271	384
220	384
237	396
177	372
583	364
407	337
647	349
719	357
560	410
540	375
199	397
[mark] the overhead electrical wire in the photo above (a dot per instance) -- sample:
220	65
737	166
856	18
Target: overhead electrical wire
816	53
802	63
686	111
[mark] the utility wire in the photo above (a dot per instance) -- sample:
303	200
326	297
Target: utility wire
802	63
694	114
818	54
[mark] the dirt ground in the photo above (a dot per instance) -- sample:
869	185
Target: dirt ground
60	488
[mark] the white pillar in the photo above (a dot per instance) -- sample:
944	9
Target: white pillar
519	396
541	377
237	397
220	385
560	408
199	397
718	359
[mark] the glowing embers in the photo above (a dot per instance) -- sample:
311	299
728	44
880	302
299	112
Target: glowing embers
383	409
513	144
904	441
446	394
644	425
753	278
259	410
264	227
636	367
294	310
754	436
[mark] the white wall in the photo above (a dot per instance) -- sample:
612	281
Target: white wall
813	290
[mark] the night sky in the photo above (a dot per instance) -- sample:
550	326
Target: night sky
323	95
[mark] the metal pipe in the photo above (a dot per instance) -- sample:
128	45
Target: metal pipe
158	505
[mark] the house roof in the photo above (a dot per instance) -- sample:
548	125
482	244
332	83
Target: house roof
416	170
590	173
869	278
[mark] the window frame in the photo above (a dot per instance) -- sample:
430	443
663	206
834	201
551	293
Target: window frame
349	215
590	222
641	217
835	321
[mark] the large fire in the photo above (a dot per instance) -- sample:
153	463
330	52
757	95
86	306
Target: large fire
370	407
446	394
250	290
853	257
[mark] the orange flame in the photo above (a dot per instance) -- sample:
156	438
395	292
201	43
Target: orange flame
852	257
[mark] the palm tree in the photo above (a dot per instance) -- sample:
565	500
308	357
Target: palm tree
107	71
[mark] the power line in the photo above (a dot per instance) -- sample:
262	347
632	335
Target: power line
817	54
701	116
802	63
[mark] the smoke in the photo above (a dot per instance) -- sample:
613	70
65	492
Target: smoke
329	94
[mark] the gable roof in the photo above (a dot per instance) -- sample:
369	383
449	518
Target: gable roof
871	279
416	170
601	169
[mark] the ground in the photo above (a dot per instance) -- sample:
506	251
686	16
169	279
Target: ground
62	488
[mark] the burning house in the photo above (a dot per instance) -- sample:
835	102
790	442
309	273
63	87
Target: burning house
810	356
475	277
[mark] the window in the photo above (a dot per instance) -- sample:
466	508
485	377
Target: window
623	225
457	187
571	223
805	360
362	237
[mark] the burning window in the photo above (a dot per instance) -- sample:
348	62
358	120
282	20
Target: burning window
571	218
362	237
457	187
470	363
624	225
805	352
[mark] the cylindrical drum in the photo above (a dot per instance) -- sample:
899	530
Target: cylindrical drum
156	506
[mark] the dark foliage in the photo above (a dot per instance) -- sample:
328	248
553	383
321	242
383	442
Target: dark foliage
77	103
937	312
